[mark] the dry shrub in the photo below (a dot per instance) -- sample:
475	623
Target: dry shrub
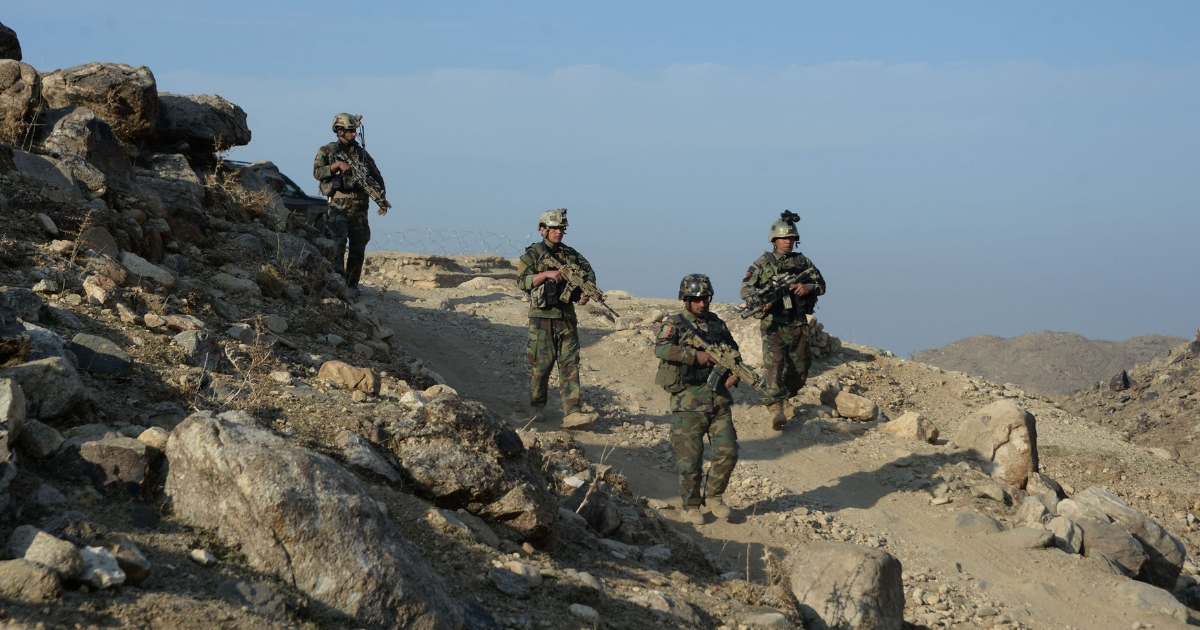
254	362
271	280
317	318
225	187
11	252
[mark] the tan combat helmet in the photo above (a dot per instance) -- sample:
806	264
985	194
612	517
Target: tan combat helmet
695	285
346	121
785	227
553	218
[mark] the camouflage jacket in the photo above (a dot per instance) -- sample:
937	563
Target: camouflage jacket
678	372
772	263
548	300
332	183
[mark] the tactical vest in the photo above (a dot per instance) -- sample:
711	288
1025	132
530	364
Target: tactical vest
801	305
549	293
338	183
674	377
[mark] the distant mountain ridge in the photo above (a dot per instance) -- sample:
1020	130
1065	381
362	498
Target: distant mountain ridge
1047	362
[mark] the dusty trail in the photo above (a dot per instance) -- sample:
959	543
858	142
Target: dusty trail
479	348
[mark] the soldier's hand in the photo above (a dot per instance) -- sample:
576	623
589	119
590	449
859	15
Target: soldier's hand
704	358
341	167
553	274
800	288
583	299
732	381
383	209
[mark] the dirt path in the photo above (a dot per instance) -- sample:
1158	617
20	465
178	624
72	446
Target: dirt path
851	480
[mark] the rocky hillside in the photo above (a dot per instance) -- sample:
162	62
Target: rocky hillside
1051	363
201	428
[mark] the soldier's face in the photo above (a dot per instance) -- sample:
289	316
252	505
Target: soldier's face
785	244
346	136
697	306
554	234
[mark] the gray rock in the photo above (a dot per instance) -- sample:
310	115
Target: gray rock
203	121
28	581
1067	535
1033	512
235	286
24	303
100	241
10	45
35	545
116	464
657	553
1003	434
52	386
1026	538
43	343
1115	543
242	332
855	407
991	491
479	529
1078	511
293	252
249	242
842	585
48	496
100	568
586	614
39	440
657	600
47	224
973	522
512	584
14	339
1165	553
123	95
298	515
768	620
12	412
1152	599
53	173
260	597
618	548
198	348
464	455
129	558
276	323
78	132
359	455
100	356
146	270
20	92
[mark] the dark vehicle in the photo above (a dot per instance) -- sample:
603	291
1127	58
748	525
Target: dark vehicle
303	209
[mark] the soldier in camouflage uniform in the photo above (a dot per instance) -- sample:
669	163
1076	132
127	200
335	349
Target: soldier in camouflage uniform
695	409
348	201
784	322
553	327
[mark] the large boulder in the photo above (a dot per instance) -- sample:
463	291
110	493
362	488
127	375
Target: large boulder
20	90
27	581
1004	434
1114	544
204	121
855	407
52	387
10	46
175	201
77	131
1165	553
293	252
846	586
56	175
124	96
463	455
298	515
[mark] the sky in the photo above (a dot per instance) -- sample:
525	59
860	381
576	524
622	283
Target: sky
960	168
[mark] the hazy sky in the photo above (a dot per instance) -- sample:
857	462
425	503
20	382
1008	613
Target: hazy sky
961	168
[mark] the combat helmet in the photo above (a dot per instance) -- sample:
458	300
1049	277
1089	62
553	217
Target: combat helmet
785	227
553	218
346	121
695	285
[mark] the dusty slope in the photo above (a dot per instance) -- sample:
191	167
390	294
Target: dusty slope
1052	363
868	487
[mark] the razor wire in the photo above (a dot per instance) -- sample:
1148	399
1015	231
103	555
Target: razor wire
450	242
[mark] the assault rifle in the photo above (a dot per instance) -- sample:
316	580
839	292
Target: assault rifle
777	288
577	279
362	173
728	360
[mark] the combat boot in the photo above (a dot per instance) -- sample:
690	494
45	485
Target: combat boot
539	414
717	506
777	417
692	514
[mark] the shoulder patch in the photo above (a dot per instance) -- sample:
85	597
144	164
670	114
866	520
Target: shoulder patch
667	331
749	272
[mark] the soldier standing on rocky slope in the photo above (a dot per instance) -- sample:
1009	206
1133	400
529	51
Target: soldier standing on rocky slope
553	327
348	199
784	320
697	410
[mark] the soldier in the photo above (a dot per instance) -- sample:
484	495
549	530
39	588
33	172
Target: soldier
697	410
553	327
784	321
348	200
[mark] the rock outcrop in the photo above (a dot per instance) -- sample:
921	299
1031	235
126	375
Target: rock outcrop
125	96
1004	435
205	122
840	585
298	515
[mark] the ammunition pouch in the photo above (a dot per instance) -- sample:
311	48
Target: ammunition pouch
669	377
695	374
545	295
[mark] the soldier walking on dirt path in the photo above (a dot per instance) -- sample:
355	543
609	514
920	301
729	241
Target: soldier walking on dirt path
348	198
697	410
785	320
553	326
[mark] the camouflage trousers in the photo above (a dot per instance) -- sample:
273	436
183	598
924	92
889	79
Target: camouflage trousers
349	224
785	353
688	429
554	341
